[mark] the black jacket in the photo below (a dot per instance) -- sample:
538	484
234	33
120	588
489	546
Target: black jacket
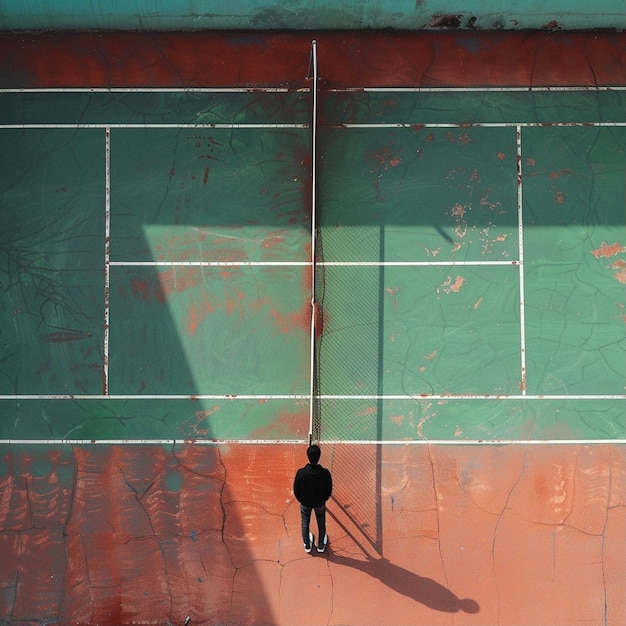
312	485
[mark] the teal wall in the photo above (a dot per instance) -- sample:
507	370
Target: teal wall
308	14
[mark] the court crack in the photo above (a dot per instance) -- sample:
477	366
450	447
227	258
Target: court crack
495	533
154	535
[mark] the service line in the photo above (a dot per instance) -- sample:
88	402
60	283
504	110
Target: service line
520	222
306	263
268	126
107	258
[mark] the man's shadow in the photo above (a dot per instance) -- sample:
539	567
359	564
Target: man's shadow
423	590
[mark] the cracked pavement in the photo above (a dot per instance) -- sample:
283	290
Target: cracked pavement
466	535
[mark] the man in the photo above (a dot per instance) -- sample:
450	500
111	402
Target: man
312	487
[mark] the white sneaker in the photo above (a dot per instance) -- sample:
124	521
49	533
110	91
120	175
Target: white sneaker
309	547
322	545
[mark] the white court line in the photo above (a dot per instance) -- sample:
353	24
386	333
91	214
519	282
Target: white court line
305	263
477	89
328	442
520	225
474	396
411	263
413	125
156	442
261	89
107	261
322	397
272	126
139	125
192	397
478	442
156	90
211	263
313	242
269	89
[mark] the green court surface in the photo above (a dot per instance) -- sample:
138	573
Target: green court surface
156	278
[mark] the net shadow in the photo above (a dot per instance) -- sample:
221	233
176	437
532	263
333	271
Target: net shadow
349	361
356	479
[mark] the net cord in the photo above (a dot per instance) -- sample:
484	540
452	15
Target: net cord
313	236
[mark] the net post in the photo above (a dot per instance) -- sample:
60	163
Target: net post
312	390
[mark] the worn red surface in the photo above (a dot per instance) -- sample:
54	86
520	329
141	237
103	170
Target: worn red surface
466	535
345	59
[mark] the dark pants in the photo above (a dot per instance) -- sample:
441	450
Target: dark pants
320	516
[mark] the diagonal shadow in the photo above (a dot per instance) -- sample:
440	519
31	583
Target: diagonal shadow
421	589
177	195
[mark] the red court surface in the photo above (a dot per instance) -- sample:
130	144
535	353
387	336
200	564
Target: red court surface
181	531
346	59
463	535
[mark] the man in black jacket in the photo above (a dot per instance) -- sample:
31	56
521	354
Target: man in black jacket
312	486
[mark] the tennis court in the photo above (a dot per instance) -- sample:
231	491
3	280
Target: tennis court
162	372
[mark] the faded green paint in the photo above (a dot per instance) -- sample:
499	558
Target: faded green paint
190	107
306	15
444	196
177	194
140	419
439	196
518	106
51	236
